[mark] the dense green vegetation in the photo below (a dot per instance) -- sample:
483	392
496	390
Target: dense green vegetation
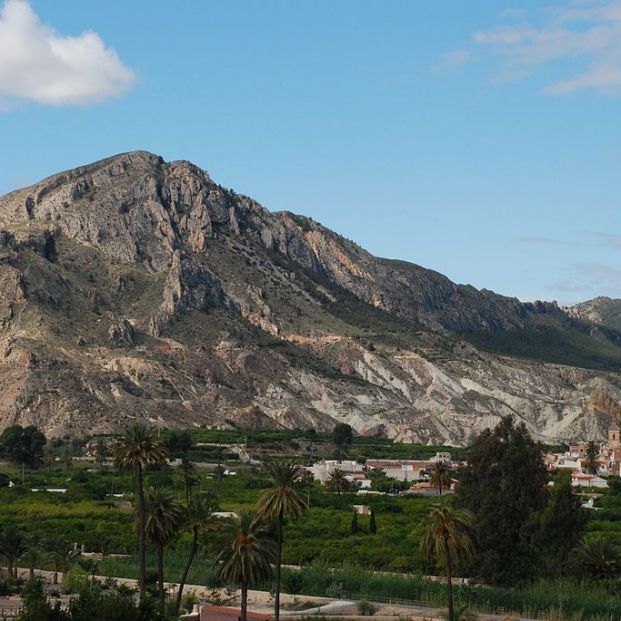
336	555
548	342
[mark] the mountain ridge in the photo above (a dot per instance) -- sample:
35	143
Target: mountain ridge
102	265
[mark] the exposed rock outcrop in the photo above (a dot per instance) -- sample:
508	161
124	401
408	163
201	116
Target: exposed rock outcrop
133	287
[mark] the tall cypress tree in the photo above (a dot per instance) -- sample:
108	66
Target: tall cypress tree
372	524
354	523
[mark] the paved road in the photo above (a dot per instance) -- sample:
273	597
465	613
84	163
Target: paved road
261	601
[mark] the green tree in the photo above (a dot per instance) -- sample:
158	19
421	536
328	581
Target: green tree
60	554
354	529
33	557
590	457
561	523
504	486
22	445
49	458
101	452
245	552
448	537
614	484
163	518
440	476
188	475
198	519
138	447
13	544
337	481
342	436
280	502
36	606
372	524
599	558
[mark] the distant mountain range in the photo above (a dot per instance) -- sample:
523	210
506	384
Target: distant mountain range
133	287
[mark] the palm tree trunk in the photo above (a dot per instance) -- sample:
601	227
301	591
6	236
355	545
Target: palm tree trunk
9	567
160	575
278	566
449	585
186	571
142	547
244	601
31	572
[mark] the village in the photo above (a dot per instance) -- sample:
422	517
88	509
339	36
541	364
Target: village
588	462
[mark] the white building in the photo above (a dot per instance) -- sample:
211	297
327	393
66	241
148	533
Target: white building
578	479
322	470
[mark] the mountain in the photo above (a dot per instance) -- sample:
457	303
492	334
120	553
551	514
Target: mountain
133	287
602	311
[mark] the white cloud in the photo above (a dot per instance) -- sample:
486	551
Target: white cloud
582	37
39	64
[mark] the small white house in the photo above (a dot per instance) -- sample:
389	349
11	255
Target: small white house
578	479
362	509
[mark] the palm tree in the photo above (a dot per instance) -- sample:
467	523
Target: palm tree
32	556
60	555
188	474
137	448
13	544
448	536
337	481
163	518
440	476
591	453
279	502
198	519
245	552
599	558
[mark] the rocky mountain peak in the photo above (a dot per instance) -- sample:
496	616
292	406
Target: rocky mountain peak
136	287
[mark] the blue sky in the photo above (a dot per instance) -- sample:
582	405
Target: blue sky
480	139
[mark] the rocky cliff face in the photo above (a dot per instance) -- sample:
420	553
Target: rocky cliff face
138	288
602	311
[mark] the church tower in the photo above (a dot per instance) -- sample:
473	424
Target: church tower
613	436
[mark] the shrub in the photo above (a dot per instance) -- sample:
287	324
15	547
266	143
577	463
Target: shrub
366	608
75	580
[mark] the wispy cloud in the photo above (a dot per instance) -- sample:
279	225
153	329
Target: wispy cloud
39	64
537	240
587	280
606	239
598	273
585	32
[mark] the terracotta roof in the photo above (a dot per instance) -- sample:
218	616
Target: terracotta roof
225	613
